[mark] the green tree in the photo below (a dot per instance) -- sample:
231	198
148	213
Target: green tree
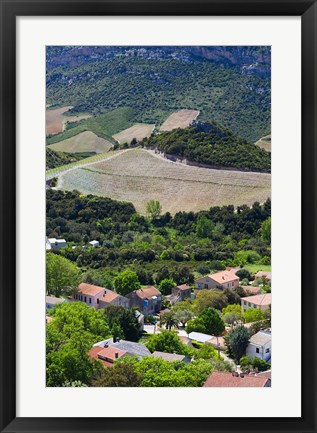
126	319
204	227
154	208
120	375
207	322
209	298
232	313
266	230
253	315
169	320
166	341
166	285
250	362
237	341
183	316
62	276
126	282
212	321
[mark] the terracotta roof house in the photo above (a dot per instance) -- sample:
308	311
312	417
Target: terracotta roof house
180	293
130	347
148	300
99	297
90	294
251	290
113	298
220	280
106	355
172	357
221	379
262	302
263	274
260	345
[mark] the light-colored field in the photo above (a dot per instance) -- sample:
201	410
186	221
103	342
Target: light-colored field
265	143
138	176
138	131
86	141
179	119
55	119
62	169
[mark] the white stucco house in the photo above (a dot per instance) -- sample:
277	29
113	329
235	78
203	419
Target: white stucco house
55	244
260	345
94	244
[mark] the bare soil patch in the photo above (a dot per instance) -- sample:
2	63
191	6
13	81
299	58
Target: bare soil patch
179	119
138	131
55	119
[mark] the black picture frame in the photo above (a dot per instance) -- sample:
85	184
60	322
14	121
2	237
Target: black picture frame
10	9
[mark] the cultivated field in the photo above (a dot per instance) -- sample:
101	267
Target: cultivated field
179	119
138	131
138	176
265	143
55	119
86	141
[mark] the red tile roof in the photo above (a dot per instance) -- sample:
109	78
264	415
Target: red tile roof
110	352
184	287
147	292
263	274
89	289
265	299
222	379
223	277
93	353
109	296
252	290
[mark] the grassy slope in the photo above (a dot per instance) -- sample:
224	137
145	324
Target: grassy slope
137	176
86	141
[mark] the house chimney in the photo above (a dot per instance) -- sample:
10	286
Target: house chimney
116	355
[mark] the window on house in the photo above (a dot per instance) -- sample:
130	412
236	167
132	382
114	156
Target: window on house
257	350
85	299
206	286
267	351
89	300
97	301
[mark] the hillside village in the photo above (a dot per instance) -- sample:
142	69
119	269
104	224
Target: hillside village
237	338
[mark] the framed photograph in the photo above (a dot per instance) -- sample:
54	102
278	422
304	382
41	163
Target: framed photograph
167	155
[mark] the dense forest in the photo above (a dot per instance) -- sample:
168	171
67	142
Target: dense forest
231	88
157	248
211	145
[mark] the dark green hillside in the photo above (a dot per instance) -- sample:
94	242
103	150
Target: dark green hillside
214	146
158	84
